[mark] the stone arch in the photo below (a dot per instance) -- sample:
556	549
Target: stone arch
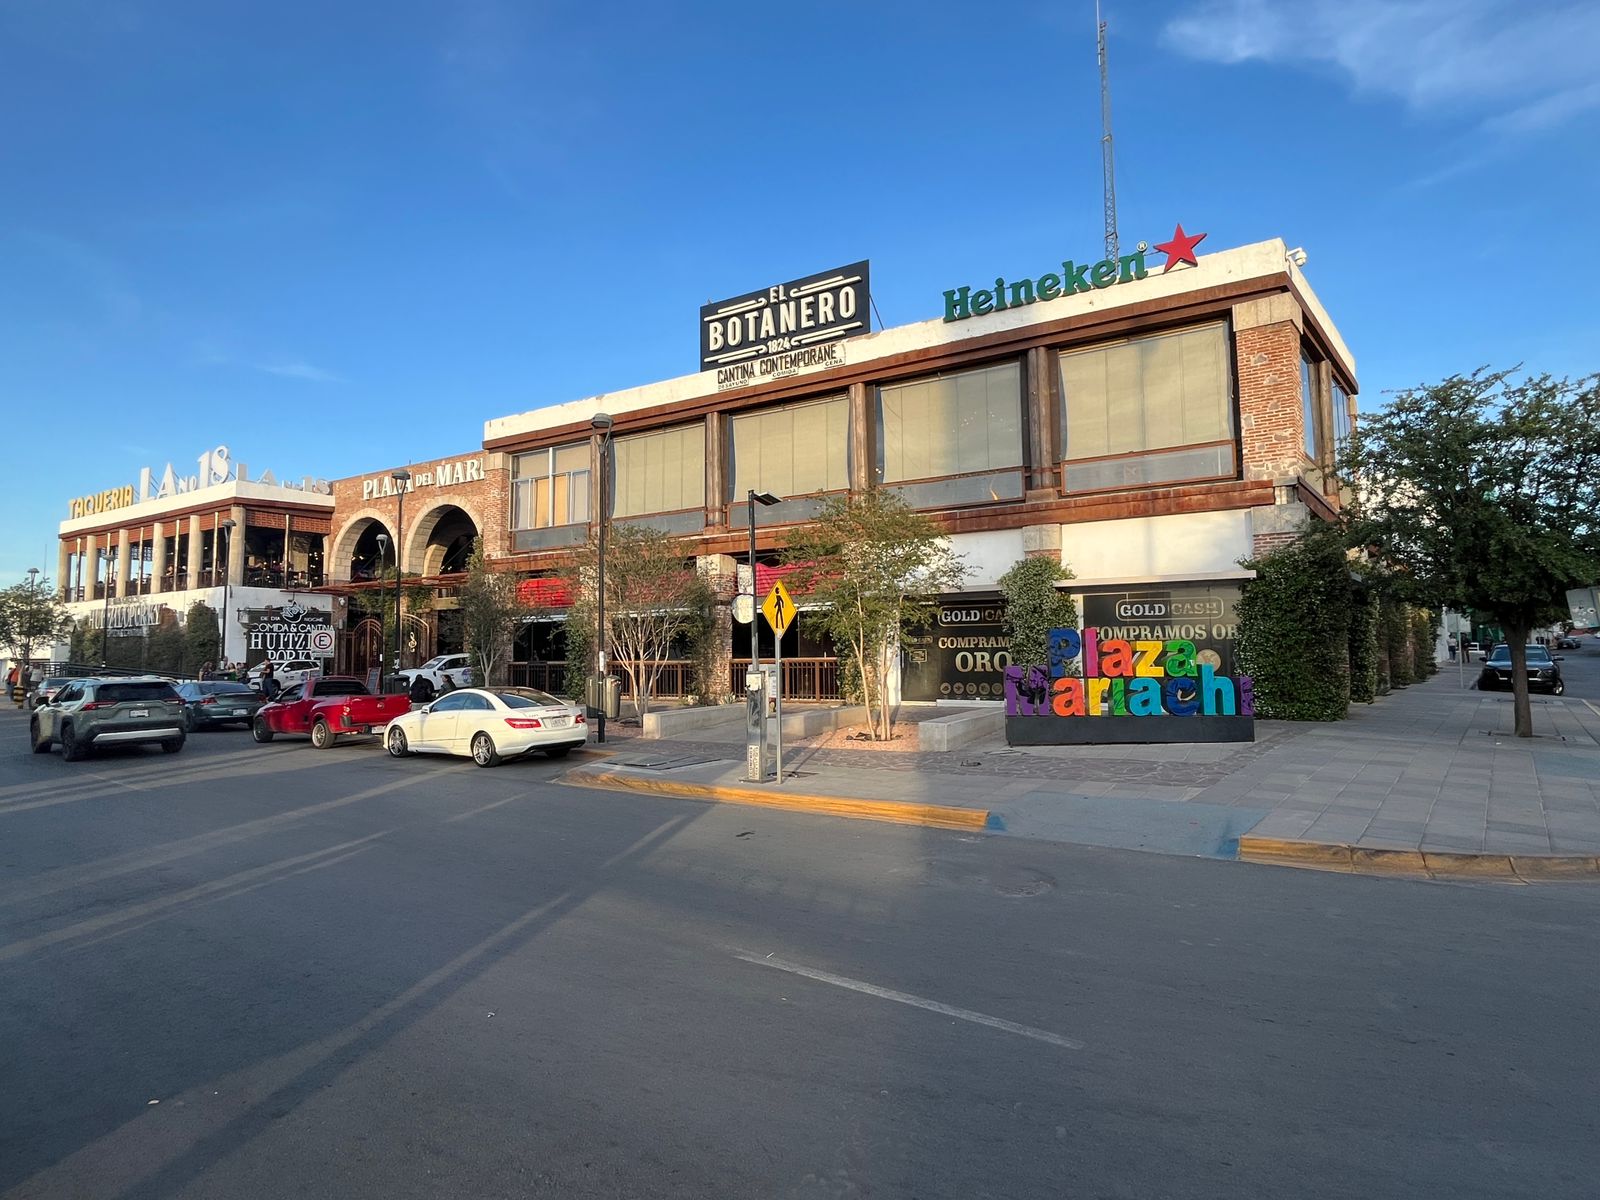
424	558
344	542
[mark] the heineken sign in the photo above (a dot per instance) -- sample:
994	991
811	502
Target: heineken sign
787	320
1072	279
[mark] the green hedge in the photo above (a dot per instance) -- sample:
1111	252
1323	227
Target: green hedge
1424	635
1396	634
1294	629
1364	647
1035	606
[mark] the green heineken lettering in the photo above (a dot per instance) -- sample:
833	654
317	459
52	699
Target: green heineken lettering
962	303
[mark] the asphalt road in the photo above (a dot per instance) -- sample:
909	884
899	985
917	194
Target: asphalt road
263	971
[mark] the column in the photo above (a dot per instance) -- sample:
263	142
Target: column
192	575
64	570
158	564
91	560
1043	423
716	458
235	544
861	438
122	562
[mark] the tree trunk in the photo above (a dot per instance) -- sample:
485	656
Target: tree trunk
1522	711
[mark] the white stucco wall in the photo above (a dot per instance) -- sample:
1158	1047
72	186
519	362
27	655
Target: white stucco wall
1183	546
987	556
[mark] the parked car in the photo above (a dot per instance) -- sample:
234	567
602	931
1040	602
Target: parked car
1544	671
326	709
48	687
431	677
490	725
1567	642
1474	651
88	713
296	670
217	702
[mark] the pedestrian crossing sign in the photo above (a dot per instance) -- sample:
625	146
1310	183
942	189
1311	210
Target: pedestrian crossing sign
778	608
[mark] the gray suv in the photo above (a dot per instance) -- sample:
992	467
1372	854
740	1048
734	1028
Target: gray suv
109	712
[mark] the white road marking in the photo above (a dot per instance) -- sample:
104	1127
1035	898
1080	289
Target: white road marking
872	989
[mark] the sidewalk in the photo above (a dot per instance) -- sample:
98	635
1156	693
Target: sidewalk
1428	769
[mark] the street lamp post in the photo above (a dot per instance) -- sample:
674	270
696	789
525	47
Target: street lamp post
766	500
602	422
29	628
105	609
401	477
383	629
227	527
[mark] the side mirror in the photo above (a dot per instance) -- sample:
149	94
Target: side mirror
425	709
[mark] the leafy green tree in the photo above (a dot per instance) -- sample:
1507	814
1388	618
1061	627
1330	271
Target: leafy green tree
32	617
1294	628
1485	491
1035	605
492	610
1364	613
654	600
202	637
874	567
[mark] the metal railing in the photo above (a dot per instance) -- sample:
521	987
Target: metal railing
803	678
675	680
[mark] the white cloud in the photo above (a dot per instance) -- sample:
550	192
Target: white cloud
1518	68
296	369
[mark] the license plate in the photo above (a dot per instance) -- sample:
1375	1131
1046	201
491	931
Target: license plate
559	722
239	712
139	712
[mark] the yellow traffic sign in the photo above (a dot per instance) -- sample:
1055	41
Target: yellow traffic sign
778	608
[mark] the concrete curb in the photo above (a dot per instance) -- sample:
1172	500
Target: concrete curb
1420	864
935	816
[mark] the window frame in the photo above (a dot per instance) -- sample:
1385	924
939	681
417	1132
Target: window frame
526	483
1312	443
1062	417
877	468
613	465
734	495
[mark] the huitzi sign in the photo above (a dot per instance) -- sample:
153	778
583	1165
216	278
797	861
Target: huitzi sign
786	322
1125	691
292	632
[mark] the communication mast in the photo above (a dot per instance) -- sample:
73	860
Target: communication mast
1105	139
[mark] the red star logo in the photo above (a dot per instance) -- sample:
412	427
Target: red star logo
1180	249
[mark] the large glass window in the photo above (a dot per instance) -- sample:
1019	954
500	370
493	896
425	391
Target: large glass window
1150	410
967	424
550	487
1308	407
661	472
1341	419
792	450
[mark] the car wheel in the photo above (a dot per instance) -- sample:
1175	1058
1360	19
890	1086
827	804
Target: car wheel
483	751
322	737
558	751
72	750
33	733
172	745
1559	688
188	721
396	742
260	730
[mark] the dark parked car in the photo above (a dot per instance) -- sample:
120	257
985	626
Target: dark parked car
1544	672
1568	642
214	702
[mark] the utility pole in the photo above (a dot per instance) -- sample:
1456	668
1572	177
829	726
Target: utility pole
1112	248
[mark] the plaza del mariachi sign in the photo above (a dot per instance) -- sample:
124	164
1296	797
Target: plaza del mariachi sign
1125	691
786	328
1073	278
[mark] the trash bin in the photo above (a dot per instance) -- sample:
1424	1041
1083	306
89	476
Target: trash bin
610	702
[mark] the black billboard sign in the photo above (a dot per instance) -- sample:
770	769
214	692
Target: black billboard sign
291	632
783	329
962	657
1205	615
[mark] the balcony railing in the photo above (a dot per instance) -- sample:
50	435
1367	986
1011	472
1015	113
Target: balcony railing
803	678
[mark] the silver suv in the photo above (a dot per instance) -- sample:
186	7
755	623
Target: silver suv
109	712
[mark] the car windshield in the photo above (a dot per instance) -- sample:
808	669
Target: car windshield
435	662
1536	654
226	688
528	698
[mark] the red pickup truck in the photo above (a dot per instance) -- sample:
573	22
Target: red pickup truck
326	708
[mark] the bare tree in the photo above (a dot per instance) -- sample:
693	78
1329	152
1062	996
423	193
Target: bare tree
492	610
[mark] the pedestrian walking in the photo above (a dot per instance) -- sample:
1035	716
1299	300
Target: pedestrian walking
205	671
269	681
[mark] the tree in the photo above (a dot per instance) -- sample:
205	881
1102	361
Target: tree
1035	606
874	567
1486	492
1294	628
492	610
31	615
654	598
202	637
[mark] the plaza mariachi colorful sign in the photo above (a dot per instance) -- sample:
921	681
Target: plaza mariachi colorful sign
1125	691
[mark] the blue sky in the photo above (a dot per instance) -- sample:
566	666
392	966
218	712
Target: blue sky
338	236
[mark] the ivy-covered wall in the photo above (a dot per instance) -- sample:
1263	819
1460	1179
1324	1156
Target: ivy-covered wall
1294	629
1364	647
1396	634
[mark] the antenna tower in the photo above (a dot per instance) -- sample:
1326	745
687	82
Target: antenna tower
1105	138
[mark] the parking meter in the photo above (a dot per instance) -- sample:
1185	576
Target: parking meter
757	758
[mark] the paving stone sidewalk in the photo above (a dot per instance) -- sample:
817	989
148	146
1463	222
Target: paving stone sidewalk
1429	767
